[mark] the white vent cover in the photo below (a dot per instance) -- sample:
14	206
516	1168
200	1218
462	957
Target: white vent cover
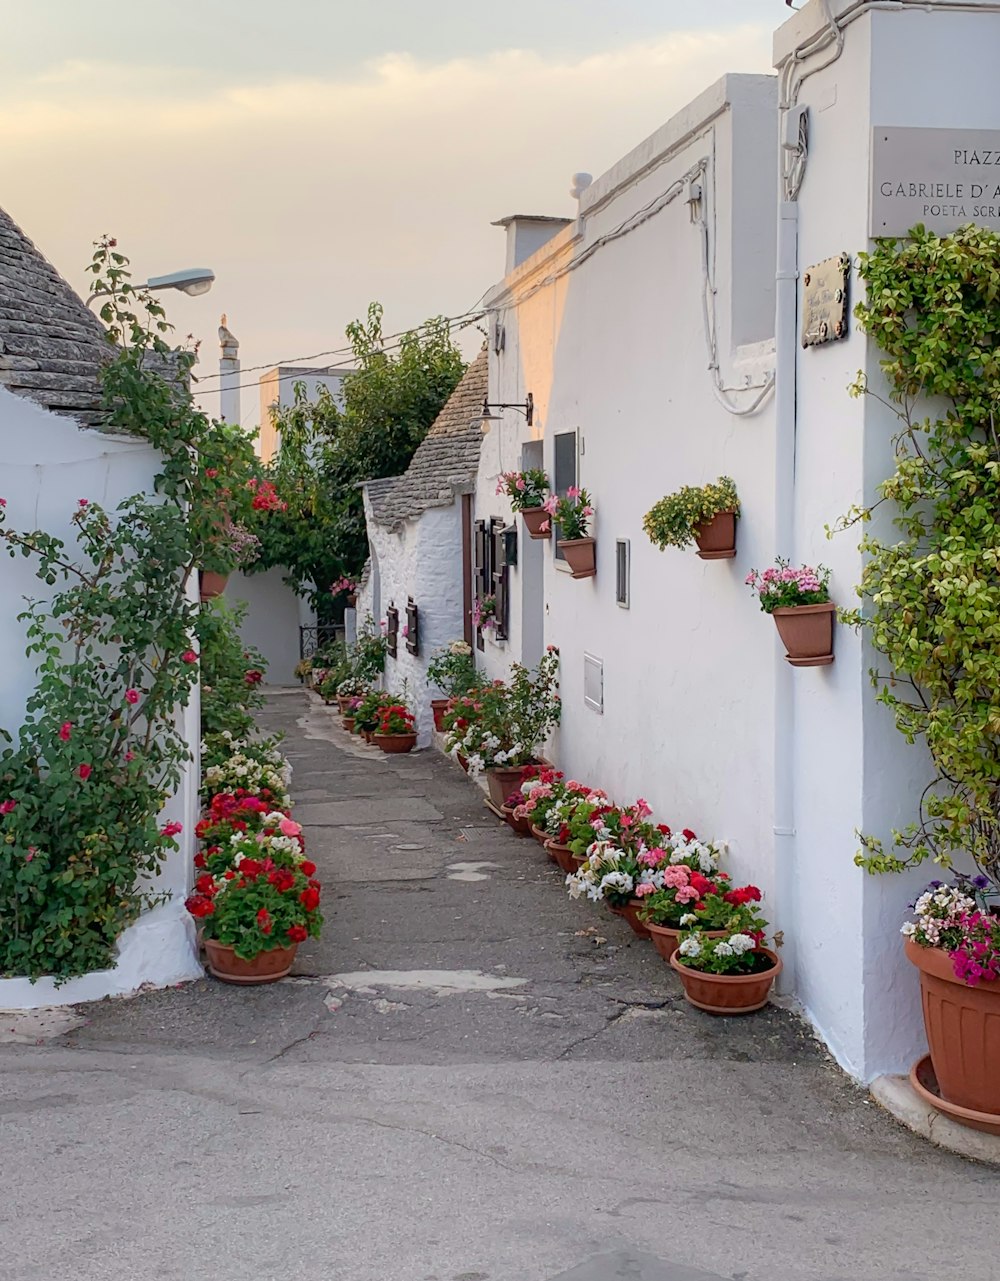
593	682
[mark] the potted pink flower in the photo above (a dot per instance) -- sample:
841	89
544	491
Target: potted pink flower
799	601
572	514
527	491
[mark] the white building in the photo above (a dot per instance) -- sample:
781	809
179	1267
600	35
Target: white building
659	335
277	391
54	453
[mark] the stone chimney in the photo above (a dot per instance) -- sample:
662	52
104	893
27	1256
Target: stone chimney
229	371
526	233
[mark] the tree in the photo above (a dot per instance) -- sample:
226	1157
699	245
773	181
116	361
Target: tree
325	453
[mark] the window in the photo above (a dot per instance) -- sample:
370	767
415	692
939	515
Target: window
623	569
564	473
492	573
593	682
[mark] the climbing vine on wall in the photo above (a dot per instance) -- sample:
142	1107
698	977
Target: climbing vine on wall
932	598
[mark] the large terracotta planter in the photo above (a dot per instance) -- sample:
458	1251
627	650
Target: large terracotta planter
631	914
439	706
211	584
581	556
716	539
534	519
501	782
563	856
963	1031
463	760
728	993
807	633
348	723
393	743
266	967
666	941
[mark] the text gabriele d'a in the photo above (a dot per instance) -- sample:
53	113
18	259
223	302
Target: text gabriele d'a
955	199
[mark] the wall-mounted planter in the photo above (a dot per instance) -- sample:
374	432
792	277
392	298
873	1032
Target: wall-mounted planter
807	633
581	556
211	584
716	539
534	519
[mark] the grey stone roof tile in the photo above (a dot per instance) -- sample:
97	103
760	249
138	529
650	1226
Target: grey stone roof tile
446	460
51	346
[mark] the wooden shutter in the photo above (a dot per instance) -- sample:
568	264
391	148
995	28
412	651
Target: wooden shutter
412	627
392	630
501	571
481	575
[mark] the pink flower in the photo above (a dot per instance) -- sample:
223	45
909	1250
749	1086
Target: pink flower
642	808
642	890
172	829
84	772
3	502
189	656
65	729
32	851
572	492
406	629
676	877
8	807
130	756
550	504
132	696
83	502
544	527
686	894
519	483
499	488
288	827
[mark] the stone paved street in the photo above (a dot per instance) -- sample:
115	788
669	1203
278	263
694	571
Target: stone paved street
470	1078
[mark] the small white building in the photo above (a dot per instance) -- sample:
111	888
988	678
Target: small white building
420	535
277	391
54	453
659	333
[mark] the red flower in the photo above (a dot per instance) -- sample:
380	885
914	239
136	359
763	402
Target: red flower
688	834
65	729
264	921
132	696
699	906
189	656
173	829
701	883
206	885
744	894
298	933
663	829
250	868
8	807
309	869
84	771
283	879
211	472
238	825
201	827
200	905
310	899
199	860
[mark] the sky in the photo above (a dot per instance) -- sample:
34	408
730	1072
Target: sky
319	154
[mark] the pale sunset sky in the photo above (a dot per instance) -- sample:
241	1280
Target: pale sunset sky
318	154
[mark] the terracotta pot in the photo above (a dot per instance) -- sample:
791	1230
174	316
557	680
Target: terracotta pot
540	835
439	706
369	735
963	1030
211	584
631	914
716	539
728	993
520	825
395	742
925	1083
348	723
807	633
501	782
581	556
266	967
534	519
343	702
563	855
666	940
463	760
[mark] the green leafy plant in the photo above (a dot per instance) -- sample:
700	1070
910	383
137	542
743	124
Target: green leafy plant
368	712
932	598
452	669
737	953
675	519
504	724
572	513
231	673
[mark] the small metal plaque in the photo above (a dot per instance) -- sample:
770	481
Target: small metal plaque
824	301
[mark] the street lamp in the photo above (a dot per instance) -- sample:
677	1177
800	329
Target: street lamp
193	281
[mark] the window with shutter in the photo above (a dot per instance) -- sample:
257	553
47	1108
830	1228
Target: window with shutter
481	576
500	575
564	473
392	630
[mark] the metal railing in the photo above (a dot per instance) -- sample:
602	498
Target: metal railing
318	637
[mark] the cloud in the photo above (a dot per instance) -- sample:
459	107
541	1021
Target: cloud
310	196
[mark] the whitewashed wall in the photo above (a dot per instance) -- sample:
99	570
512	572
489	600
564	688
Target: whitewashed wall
615	350
49	464
274	614
423	559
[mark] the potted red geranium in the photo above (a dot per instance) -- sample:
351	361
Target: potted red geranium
397	730
254	915
688	900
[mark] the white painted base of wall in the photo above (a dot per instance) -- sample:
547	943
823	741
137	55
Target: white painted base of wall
159	950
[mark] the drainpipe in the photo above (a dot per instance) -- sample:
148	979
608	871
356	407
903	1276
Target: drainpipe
786	363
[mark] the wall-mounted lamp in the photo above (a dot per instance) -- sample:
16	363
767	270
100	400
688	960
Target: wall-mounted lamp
487	416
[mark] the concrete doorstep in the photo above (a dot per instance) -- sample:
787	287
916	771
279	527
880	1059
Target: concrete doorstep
900	1099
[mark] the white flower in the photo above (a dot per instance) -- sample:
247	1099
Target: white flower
741	943
690	947
909	929
689	918
722	948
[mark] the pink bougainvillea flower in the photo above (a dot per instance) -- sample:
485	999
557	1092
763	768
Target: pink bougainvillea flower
8	807
189	656
84	771
172	829
84	502
130	756
65	729
132	696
